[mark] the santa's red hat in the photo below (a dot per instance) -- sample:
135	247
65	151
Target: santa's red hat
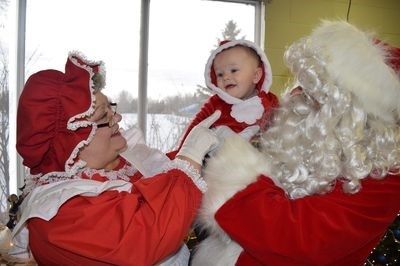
52	117
355	62
209	74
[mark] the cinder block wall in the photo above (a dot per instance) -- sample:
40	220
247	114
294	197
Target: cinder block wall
289	20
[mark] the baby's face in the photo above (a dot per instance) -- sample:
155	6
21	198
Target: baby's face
237	72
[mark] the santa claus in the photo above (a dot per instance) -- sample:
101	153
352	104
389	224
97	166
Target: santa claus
325	183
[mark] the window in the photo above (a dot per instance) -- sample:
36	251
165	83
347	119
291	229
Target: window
181	34
4	113
180	42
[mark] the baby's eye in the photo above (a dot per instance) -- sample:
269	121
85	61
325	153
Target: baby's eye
233	70
219	75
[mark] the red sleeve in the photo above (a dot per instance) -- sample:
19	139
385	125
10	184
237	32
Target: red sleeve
331	229
119	228
206	110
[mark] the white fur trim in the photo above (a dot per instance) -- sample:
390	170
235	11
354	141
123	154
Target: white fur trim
222	94
355	63
236	165
216	252
180	258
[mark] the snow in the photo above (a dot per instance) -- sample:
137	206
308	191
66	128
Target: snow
163	132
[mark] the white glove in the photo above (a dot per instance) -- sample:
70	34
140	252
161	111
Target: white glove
148	161
200	139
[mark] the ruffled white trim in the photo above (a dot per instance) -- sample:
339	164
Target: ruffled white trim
33	181
248	111
188	169
222	94
122	174
73	124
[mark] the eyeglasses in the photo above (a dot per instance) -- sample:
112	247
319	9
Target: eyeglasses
113	107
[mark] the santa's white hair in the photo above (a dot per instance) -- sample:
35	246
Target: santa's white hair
344	121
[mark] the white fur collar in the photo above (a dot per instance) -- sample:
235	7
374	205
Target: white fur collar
236	165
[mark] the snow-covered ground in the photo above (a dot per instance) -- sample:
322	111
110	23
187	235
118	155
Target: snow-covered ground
163	130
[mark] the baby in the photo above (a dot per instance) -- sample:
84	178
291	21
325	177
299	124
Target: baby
239	73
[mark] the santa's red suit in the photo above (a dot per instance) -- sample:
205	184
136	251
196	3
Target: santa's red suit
247	116
248	211
251	221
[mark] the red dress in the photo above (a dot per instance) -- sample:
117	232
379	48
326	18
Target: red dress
140	227
269	102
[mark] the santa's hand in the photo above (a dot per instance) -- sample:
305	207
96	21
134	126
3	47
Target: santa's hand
200	140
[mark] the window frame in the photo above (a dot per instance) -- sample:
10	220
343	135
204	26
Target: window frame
17	62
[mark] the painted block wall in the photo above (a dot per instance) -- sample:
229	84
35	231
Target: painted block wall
288	20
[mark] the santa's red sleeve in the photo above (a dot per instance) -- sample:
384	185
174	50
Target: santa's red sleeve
331	229
140	227
251	219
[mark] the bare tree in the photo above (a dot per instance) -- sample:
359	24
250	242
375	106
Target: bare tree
126	103
4	120
3	6
4	131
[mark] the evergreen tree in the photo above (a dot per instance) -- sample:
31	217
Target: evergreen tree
126	104
231	32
